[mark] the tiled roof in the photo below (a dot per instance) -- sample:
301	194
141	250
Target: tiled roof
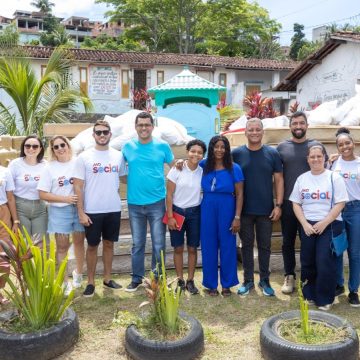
289	83
198	60
186	80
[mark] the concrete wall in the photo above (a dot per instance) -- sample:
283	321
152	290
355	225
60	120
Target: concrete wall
333	79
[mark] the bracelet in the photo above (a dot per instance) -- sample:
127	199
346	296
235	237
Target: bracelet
237	217
16	221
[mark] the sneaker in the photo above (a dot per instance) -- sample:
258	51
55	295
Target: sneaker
89	290
77	279
326	307
133	286
68	288
354	299
339	290
266	288
289	284
191	288
245	288
181	285
310	302
112	285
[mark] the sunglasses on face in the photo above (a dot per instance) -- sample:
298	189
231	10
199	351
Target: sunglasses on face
29	146
57	147
102	132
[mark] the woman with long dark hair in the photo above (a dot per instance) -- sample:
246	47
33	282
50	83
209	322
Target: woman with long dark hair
26	171
222	185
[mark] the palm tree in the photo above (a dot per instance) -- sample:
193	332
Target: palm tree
44	6
37	101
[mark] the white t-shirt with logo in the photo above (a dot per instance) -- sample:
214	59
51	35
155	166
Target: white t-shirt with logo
350	171
6	184
100	171
26	178
188	186
57	178
314	192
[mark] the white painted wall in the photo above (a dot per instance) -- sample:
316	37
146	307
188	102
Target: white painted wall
333	79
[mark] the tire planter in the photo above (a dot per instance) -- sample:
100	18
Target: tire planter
42	344
274	347
187	348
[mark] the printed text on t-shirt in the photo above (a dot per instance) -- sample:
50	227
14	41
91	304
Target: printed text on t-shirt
317	195
108	168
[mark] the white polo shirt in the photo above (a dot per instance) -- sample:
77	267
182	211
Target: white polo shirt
188	186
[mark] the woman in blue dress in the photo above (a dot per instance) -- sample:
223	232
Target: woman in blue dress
222	185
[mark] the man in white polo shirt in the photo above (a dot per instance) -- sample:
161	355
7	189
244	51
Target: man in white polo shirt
96	183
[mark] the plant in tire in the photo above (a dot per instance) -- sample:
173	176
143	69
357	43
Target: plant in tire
164	299
36	285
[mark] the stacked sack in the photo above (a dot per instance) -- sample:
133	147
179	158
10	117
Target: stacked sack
123	130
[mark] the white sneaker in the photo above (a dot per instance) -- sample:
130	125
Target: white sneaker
68	288
77	279
326	307
289	284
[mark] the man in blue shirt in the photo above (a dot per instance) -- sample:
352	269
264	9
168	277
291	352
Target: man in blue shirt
146	157
260	165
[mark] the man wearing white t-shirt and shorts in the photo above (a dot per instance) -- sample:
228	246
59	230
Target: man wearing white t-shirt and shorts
96	183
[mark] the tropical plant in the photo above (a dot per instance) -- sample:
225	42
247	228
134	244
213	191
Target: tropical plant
38	292
140	99
164	299
9	36
38	101
228	114
44	6
259	107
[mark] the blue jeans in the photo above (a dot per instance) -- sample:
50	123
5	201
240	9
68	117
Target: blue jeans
318	265
139	216
351	217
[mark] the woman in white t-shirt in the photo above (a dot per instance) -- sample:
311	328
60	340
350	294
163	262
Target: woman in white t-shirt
8	215
26	171
56	187
348	166
184	197
318	197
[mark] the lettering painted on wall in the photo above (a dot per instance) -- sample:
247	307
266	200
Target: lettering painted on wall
104	82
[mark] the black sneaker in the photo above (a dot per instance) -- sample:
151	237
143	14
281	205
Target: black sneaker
354	299
339	290
191	288
112	285
133	286
181	285
89	291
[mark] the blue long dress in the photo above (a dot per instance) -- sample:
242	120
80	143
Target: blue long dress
217	213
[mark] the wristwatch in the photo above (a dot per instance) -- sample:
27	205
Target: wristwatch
278	205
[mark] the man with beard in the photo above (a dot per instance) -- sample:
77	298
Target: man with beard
96	183
293	153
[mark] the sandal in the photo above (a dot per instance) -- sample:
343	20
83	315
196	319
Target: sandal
226	292
213	292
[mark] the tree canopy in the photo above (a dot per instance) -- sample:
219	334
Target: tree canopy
223	27
297	41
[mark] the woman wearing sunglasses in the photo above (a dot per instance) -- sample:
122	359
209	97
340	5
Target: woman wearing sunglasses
26	171
56	187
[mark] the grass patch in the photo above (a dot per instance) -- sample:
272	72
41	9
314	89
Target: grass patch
319	333
16	325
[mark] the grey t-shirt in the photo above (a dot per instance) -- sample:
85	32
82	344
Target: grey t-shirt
294	158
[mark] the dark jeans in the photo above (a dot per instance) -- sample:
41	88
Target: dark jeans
289	228
263	227
318	265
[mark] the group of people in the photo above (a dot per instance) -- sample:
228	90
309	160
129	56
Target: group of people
227	193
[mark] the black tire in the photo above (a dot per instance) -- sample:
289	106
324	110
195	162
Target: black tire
186	348
273	347
41	345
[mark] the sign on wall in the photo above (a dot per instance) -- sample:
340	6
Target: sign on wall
104	82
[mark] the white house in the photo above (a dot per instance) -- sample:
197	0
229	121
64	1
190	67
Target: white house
109	77
329	74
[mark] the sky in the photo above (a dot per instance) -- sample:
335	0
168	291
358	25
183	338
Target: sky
310	13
